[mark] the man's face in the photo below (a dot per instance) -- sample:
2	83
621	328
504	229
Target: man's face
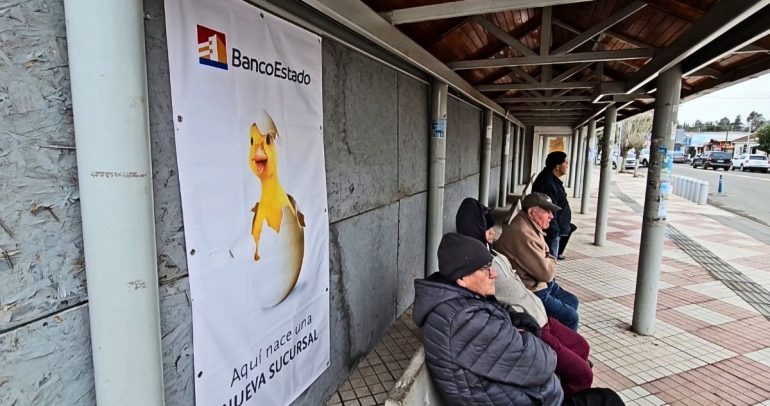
563	167
540	216
481	282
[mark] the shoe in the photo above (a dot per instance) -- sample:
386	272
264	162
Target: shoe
561	257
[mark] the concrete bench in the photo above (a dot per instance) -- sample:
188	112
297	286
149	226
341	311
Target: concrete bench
415	386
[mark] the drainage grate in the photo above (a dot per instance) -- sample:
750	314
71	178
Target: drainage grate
753	293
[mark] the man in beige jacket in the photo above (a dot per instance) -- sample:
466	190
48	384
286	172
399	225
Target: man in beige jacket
523	243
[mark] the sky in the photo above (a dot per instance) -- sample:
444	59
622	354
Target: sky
753	94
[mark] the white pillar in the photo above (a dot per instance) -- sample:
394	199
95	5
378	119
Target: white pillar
669	85
105	43
436	174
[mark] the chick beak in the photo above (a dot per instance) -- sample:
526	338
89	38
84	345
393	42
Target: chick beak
260	159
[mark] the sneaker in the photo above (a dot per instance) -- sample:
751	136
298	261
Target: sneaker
561	257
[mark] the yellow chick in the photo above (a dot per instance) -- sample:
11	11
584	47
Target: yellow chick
283	240
263	161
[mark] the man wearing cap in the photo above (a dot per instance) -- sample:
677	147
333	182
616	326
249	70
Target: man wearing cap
523	243
548	182
478	350
572	366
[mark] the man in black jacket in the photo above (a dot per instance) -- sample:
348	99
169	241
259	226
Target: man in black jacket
548	182
478	350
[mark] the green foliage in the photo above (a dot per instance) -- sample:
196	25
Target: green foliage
763	136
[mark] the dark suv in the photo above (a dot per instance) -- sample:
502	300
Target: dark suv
713	160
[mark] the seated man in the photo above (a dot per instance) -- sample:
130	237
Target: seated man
523	244
572	367
479	351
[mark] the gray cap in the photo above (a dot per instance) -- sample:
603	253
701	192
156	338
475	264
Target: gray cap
540	200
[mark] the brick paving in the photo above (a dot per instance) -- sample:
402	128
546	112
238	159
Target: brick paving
710	347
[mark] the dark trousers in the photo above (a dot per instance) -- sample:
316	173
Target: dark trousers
560	304
571	356
557	244
594	397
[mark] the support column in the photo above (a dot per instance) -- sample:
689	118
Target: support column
515	158
486	158
587	164
602	206
669	85
436	174
108	73
578	162
573	159
502	198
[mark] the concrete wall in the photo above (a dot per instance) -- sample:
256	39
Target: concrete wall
376	144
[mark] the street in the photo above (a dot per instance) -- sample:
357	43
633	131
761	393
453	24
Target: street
744	193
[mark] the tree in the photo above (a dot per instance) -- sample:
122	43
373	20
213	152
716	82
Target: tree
738	122
698	125
763	137
724	123
755	120
635	132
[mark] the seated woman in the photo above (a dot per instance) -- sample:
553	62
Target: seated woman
572	366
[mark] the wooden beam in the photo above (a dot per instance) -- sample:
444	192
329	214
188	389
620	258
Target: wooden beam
639	53
464	8
614	34
571	72
721	18
543	99
750	49
748	31
493	29
678	9
602	26
563	107
497	87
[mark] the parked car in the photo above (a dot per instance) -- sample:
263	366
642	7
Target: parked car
751	162
613	159
679	157
644	157
630	161
713	160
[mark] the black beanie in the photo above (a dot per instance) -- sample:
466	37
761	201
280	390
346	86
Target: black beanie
459	256
474	219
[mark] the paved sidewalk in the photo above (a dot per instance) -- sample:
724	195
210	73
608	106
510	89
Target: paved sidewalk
711	346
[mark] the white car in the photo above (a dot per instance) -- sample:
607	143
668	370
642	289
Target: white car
751	162
644	157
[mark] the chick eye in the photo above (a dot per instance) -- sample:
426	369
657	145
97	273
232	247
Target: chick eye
268	139
251	140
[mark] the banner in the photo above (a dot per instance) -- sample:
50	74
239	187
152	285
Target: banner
247	102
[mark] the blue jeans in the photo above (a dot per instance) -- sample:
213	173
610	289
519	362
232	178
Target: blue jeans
560	304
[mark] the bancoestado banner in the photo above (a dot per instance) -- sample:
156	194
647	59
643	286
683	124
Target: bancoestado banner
247	103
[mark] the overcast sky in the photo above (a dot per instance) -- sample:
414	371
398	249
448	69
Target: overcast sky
740	99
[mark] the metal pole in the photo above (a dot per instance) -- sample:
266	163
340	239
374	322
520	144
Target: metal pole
578	162
669	85
573	159
436	174
602	206
502	199
486	158
584	199
515	159
108	73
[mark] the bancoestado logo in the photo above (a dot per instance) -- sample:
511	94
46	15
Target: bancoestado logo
212	48
212	51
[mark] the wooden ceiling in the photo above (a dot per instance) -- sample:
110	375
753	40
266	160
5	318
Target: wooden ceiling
564	63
